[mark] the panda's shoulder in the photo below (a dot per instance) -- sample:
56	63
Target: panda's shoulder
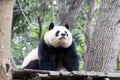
72	46
42	43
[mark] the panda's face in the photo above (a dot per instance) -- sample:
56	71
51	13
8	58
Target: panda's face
59	36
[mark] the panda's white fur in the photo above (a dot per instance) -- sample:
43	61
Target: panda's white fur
33	55
59	41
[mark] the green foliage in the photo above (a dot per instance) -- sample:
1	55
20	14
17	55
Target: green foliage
81	65
79	40
24	33
118	22
33	31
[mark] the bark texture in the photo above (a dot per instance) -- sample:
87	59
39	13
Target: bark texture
88	30
6	9
52	10
104	46
70	14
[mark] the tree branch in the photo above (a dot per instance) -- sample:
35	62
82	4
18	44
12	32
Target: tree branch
40	27
39	20
23	13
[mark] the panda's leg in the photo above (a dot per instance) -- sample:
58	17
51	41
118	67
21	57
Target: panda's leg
46	62
32	65
72	62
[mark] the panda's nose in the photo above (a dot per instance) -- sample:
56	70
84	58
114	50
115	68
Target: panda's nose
63	34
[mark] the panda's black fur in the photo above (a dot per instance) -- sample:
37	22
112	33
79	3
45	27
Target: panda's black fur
52	58
33	65
55	58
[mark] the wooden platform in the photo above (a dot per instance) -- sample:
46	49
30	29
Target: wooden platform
29	74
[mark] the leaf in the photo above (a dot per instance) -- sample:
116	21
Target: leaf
33	35
118	22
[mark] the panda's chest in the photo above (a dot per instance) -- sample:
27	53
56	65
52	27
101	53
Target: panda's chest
59	59
58	54
58	51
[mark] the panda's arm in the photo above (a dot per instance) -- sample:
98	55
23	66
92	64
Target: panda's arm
45	58
46	63
71	60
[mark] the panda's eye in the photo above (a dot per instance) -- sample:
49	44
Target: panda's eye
66	33
57	33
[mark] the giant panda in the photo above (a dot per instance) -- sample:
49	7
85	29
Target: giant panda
56	51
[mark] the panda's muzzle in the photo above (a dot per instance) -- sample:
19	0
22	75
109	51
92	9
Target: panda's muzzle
63	36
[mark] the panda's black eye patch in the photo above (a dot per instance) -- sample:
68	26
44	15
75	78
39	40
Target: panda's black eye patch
57	33
66	33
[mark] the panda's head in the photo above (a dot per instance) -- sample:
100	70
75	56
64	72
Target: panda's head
58	36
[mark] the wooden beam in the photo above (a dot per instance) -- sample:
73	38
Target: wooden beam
60	75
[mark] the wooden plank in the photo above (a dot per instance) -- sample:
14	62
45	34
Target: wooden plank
43	74
65	73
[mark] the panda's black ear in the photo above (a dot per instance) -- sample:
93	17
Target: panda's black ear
51	26
67	26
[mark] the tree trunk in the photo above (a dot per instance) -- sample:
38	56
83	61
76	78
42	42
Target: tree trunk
104	46
88	30
6	10
69	16
52	10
